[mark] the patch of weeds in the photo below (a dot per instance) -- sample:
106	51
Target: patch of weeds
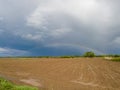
6	85
116	59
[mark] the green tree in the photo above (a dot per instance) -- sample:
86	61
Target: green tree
89	54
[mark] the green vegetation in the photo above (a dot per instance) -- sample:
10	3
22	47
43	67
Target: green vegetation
6	85
86	54
116	59
89	54
113	55
68	56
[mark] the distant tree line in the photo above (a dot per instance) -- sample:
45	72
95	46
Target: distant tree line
90	54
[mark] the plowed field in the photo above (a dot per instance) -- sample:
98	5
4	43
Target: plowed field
63	73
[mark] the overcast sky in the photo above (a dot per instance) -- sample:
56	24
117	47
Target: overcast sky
59	27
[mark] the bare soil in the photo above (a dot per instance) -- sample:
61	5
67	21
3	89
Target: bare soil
63	73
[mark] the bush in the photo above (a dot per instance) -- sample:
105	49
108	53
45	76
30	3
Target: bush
116	59
89	54
66	57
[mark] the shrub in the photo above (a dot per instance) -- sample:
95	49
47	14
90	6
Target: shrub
89	54
116	55
116	59
66	56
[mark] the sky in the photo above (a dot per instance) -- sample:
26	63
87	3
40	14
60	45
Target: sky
59	27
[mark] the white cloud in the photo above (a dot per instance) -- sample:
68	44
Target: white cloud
1	18
3	50
117	40
89	10
50	17
84	10
59	32
32	37
11	52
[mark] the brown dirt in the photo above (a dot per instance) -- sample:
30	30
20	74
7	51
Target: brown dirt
63	74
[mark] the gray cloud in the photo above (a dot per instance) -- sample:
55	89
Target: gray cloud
90	22
80	24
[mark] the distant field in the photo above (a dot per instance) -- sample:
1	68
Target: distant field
62	73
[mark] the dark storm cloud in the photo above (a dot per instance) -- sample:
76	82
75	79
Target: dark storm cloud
42	27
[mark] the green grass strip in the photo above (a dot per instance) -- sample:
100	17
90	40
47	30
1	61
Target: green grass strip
6	85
